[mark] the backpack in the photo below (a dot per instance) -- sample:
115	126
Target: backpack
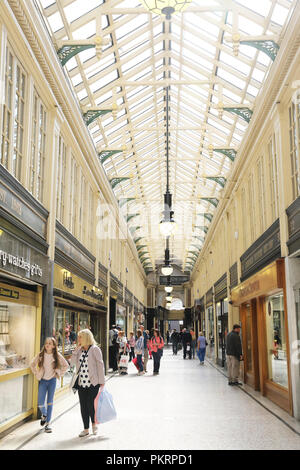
114	339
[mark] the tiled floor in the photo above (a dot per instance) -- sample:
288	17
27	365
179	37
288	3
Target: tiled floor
187	406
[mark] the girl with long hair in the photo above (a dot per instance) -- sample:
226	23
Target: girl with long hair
48	366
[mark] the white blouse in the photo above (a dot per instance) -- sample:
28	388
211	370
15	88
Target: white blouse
84	378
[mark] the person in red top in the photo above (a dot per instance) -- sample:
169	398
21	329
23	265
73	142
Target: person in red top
156	344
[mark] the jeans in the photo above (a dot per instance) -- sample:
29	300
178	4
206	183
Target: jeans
201	354
87	397
175	347
140	362
193	346
131	354
46	387
185	351
156	361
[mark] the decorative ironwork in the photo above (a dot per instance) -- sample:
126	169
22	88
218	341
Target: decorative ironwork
115	181
138	239
202	227
207	216
124	200
230	153
143	254
218	179
199	238
212	200
139	247
105	154
269	47
66	52
93	114
131	216
243	112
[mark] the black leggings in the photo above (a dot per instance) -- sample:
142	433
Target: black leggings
87	396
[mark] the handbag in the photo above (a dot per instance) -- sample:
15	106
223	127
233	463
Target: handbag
104	407
74	382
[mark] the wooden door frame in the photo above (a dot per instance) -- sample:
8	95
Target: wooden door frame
251	378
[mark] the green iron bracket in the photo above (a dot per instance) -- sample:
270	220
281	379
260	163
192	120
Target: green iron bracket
269	47
124	200
218	179
199	238
244	113
115	181
230	153
131	216
202	227
105	154
137	239
207	216
91	115
139	247
212	200
134	229
66	52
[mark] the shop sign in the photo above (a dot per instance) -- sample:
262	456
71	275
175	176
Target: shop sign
13	294
95	295
15	206
251	289
174	280
19	262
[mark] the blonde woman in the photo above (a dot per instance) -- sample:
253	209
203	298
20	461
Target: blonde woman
48	366
88	360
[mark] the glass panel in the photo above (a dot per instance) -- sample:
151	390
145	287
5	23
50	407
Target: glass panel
248	338
219	317
276	340
16	349
211	332
15	397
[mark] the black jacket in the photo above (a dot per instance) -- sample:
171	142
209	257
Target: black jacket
186	338
233	344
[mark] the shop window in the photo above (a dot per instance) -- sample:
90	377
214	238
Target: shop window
17	336
211	332
248	338
276	340
12	145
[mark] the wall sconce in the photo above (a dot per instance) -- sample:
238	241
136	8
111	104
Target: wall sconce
68	280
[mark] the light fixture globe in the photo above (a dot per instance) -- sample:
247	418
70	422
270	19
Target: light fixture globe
167	270
165	7
167	227
168	289
168	304
169	298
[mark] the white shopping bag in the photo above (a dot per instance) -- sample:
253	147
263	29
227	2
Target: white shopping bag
123	361
188	347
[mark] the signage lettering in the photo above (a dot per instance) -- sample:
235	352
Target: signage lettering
249	289
19	262
95	295
9	293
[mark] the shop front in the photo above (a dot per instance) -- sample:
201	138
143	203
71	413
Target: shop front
24	276
210	324
263	314
78	305
221	306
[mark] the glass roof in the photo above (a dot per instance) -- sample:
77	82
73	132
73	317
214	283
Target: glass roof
193	54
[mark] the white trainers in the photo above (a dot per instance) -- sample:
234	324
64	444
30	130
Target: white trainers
83	433
95	429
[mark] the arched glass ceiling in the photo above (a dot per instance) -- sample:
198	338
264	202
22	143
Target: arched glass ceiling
195	52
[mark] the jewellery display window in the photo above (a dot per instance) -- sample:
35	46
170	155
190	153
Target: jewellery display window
17	328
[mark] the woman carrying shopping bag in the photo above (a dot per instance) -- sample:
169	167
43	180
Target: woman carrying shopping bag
48	366
156	344
90	369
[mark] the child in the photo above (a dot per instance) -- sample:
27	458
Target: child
48	366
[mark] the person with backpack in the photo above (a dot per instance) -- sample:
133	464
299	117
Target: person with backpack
113	348
156	344
48	366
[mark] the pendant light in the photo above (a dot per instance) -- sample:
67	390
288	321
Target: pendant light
165	7
167	225
167	269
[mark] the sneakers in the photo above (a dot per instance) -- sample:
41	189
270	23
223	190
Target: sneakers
236	383
43	420
95	429
83	433
141	373
48	428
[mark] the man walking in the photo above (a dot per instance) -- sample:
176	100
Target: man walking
186	343
234	355
175	341
113	348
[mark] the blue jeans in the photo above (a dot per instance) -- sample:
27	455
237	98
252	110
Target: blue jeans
46	387
140	362
201	354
